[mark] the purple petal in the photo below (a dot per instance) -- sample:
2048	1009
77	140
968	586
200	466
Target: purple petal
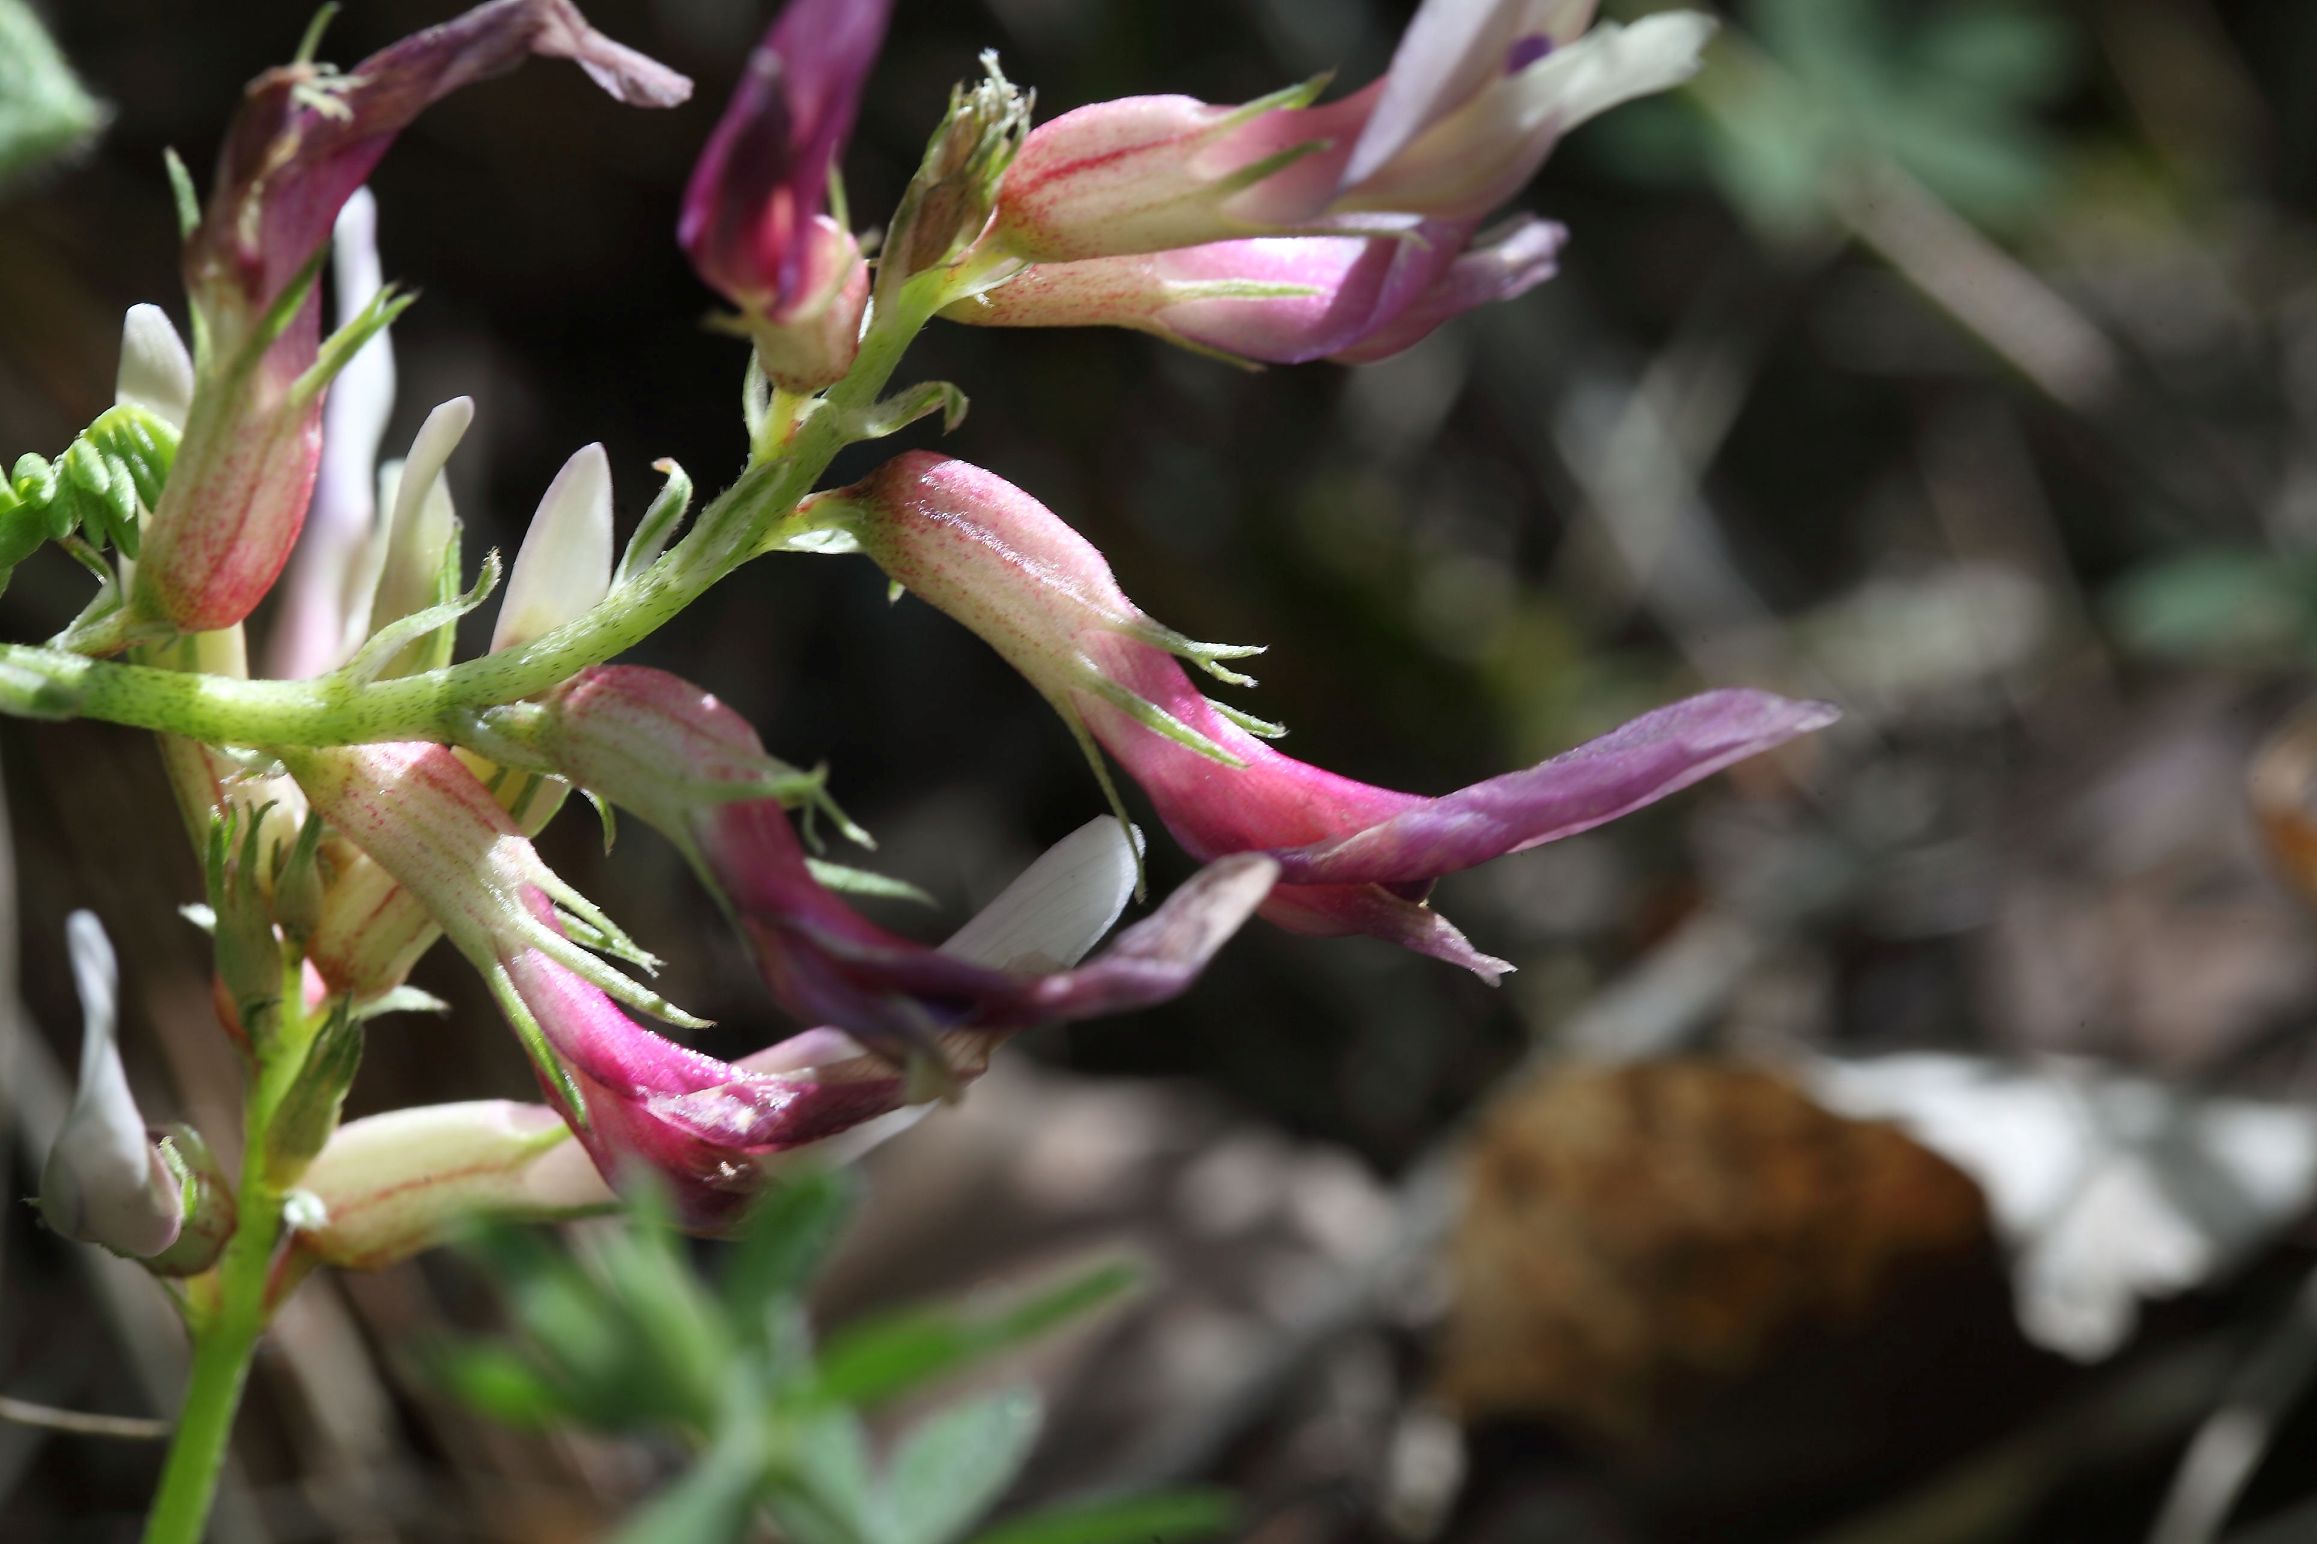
1360	287
827	964
763	175
297	163
1506	263
1649	758
1336	911
1526	51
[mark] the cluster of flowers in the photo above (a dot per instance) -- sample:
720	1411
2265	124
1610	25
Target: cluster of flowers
1277	231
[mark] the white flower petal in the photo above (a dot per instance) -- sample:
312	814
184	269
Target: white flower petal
564	566
156	373
104	1182
1059	907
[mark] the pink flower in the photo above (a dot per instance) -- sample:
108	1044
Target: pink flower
1353	858
754	223
302	142
1477	94
687	765
633	1095
1280	299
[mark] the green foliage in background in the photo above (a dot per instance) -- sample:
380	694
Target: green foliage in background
44	113
625	1336
1948	93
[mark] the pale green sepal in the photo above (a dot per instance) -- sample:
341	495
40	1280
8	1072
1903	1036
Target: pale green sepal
904	408
1157	719
659	522
283	311
1301	94
535	1044
605	814
1207	656
380	649
1093	754
853	881
187	197
341	346
401	999
1261	728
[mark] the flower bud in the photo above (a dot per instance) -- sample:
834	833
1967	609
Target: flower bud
949	202
420	568
564	566
391	1185
308	1110
249	954
105	1182
753	220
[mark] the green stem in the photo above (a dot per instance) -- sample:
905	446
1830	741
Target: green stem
221	1361
225	1338
223	1343
440	704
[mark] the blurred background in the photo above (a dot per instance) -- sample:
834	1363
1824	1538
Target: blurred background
1904	1138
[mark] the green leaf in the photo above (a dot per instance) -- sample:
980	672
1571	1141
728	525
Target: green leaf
44	112
782	1244
951	1467
496	1381
714	1502
2220	604
823	1489
1171	1517
889	1355
672	1327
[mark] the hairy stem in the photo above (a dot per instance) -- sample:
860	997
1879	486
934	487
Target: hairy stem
438	704
225	1338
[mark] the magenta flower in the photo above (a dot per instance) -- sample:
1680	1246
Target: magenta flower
1353	858
685	764
754	223
633	1095
1283	300
1478	93
304	140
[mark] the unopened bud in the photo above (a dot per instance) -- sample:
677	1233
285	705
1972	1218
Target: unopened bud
298	883
956	187
308	1111
249	955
